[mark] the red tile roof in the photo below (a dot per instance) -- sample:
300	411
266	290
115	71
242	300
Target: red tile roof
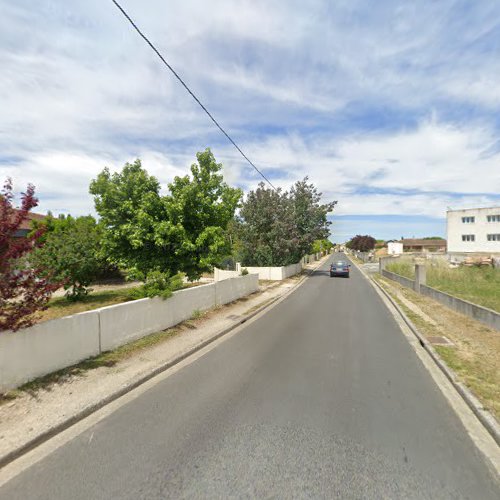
414	242
26	223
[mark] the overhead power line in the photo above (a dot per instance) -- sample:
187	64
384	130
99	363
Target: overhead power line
122	10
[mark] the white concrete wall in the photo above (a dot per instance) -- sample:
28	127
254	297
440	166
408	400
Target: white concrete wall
186	302
480	228
53	345
47	347
292	270
221	274
274	273
234	288
129	321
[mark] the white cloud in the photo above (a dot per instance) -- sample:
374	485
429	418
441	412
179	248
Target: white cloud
296	83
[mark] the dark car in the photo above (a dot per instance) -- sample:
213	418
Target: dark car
340	268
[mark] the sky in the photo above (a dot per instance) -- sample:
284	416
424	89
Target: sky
391	108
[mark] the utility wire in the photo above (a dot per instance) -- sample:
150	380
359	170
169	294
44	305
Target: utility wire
120	8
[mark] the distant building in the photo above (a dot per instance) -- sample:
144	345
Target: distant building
25	226
394	248
473	231
423	245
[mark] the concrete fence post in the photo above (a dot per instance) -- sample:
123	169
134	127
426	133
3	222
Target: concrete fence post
381	264
420	276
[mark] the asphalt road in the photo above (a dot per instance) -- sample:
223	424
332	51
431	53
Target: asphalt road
322	397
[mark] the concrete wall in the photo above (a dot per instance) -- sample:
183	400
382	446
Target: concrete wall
53	345
484	315
232	289
221	274
480	228
408	283
479	313
292	270
47	347
273	273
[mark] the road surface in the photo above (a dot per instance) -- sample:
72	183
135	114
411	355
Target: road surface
322	397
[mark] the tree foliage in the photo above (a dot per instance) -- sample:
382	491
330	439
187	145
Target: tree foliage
202	206
321	245
133	216
23	289
361	243
157	236
72	251
277	228
309	215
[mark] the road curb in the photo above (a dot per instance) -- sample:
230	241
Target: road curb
485	417
86	412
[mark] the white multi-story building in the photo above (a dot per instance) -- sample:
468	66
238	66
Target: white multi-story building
474	231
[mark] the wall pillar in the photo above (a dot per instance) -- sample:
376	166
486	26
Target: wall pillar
420	276
381	264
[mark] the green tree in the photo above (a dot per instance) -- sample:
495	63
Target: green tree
72	251
154	236
134	218
321	245
277	228
267	231
310	215
202	206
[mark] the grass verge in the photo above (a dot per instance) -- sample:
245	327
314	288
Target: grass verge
474	355
479	285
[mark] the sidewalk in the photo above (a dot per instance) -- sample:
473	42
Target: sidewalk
35	413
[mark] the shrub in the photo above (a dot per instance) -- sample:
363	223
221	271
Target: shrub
23	288
158	284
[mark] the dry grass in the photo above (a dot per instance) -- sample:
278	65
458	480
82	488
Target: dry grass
60	306
475	354
480	285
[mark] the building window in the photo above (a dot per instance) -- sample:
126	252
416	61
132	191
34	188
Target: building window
493	218
468	237
493	237
468	220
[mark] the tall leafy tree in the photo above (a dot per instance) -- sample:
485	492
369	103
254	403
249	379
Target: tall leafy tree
310	215
157	236
362	243
23	289
134	217
72	251
202	206
277	228
267	231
